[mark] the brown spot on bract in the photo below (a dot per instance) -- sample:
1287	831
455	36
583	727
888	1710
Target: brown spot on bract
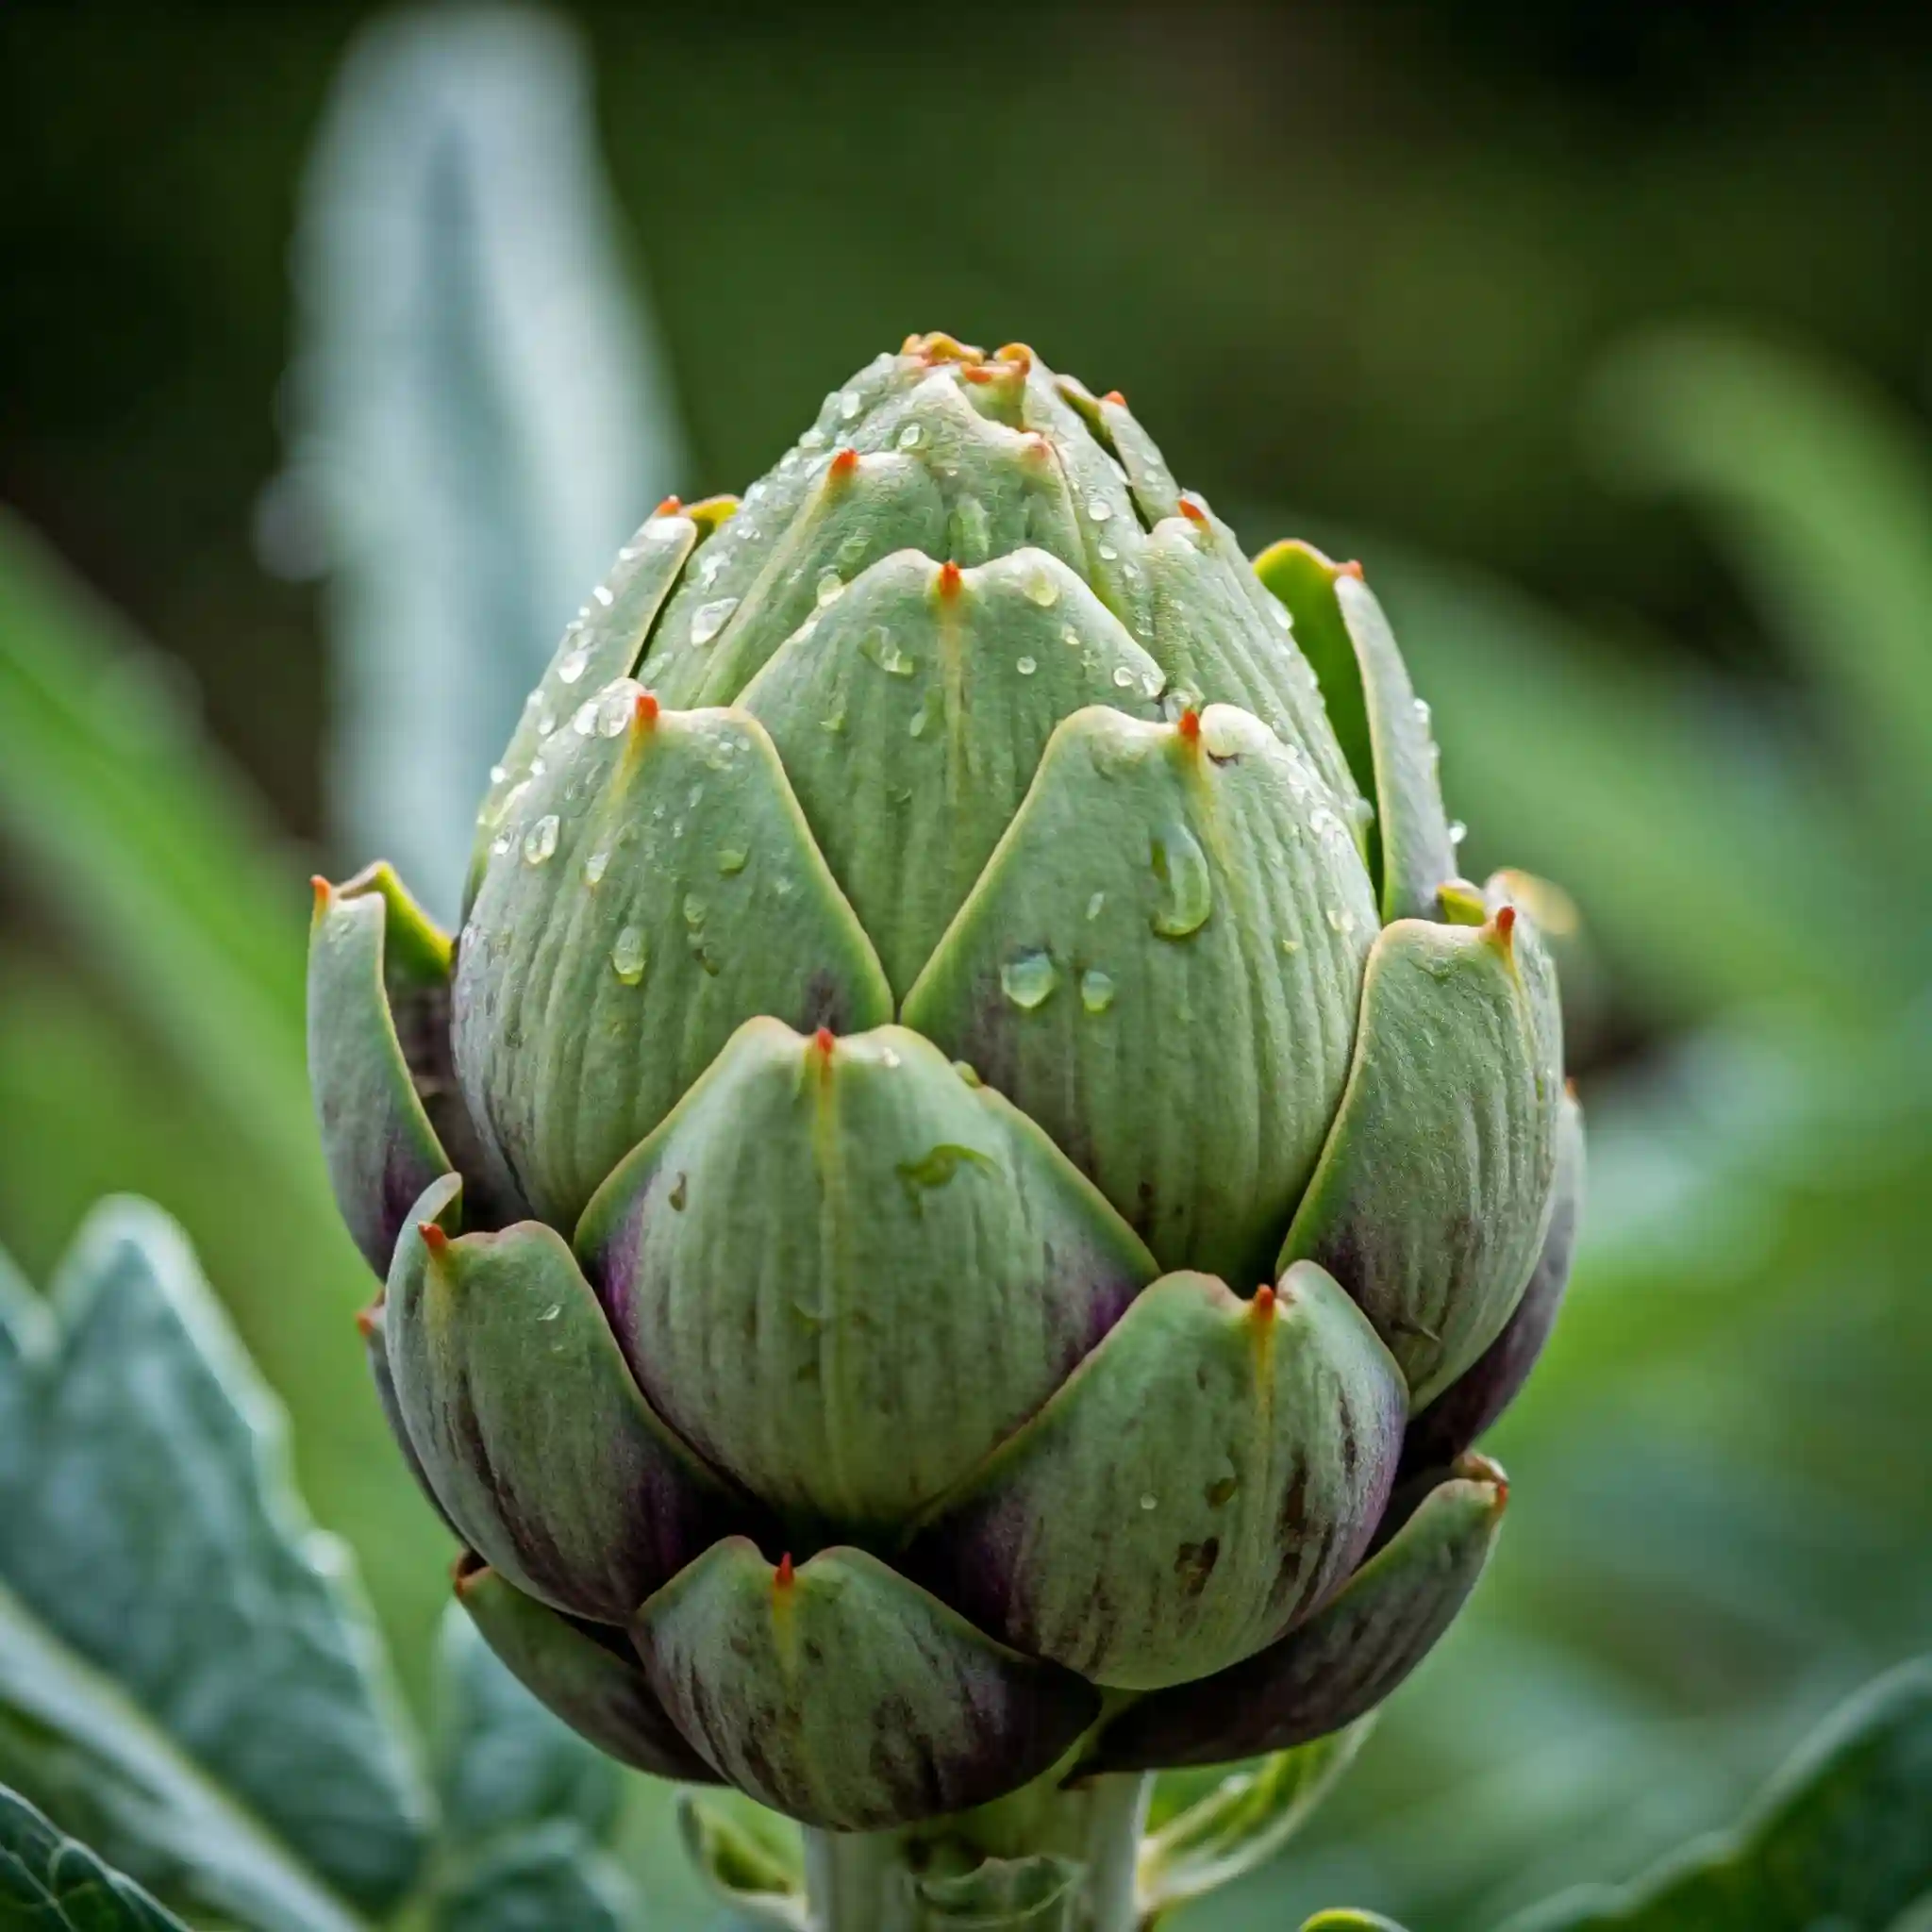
1194	1564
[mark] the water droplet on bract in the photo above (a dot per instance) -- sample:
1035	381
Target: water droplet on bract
931	708
813	438
708	620
967	1073
709	567
546	722
1341	920
628	954
1149	1501
1096	990
1039	588
1123	676
887	1057
849	406
585	722
908	436
500	846
1458	831
1029	980
663	529
1279	612
679	1193
616	706
733	860
1026	666
1070	637
1422	712
1109	554
539	841
1186	896
1099	508
570	667
694	910
531	701
1291	947
1094	904
831	588
603	595
537	768
498	774
596	865
879	646
551	1313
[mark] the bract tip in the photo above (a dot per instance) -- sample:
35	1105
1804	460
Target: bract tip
671	507
785	1575
323	890
845	461
949	578
1113	395
434	1238
1350	569
1192	510
1189	725
644	713
825	1039
1263	1303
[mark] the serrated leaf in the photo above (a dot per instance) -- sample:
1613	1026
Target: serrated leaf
52	1883
1843	1838
480	423
187	1678
1243	1819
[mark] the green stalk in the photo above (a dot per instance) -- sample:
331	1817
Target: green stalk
1046	1859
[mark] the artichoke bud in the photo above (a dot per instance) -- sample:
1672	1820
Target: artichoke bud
945	928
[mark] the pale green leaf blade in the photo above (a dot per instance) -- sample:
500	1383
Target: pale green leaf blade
51	1883
188	1674
481	417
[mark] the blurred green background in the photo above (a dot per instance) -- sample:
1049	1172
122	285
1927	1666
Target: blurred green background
340	350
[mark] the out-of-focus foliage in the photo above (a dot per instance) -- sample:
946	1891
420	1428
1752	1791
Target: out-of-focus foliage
478	411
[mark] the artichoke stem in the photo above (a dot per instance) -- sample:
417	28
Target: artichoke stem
995	1868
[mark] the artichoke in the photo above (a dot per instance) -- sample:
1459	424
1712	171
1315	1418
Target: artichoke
952	1215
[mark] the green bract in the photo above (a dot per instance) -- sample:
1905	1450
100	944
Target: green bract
969	1135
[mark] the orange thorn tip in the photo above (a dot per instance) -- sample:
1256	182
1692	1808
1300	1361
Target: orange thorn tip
434	1238
1505	927
671	507
845	461
784	1577
977	372
825	1039
1263	1303
1113	395
367	1321
1192	510
1350	569
324	890
1569	1088
949	578
643	711
1189	724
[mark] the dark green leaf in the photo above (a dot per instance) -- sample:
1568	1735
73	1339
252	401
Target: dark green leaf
1842	1840
51	1883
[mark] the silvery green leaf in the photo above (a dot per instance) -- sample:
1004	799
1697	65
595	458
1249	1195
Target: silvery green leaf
478	418
528	1808
189	1680
51	1883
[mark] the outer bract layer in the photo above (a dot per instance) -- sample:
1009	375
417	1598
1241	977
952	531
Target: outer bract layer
968	1133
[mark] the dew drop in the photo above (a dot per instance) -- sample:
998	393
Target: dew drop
694	910
1026	666
1458	831
603	595
1187	894
1123	676
570	667
1096	990
663	529
616	707
813	438
539	841
1094	904
831	588
1109	554
1278	610
586	720
849	406
1039	588
498	774
733	860
1149	1501
708	620
1028	980
931	708
1423	713
877	644
910	436
1341	920
551	1313
597	865
1099	508
500	846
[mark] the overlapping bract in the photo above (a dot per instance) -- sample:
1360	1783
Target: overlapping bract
943	932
